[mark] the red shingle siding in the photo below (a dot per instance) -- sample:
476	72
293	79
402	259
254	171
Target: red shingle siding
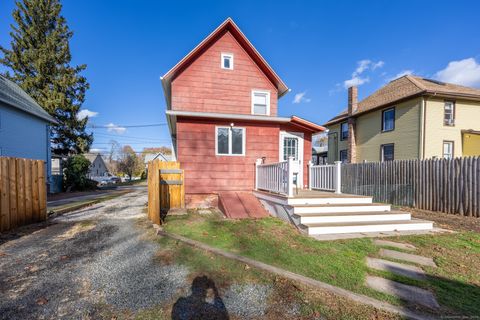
205	87
206	173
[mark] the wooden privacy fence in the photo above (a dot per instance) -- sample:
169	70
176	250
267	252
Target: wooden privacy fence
165	189
446	185
23	192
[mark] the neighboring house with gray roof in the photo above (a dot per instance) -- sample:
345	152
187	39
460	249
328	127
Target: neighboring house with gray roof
98	169
24	125
409	118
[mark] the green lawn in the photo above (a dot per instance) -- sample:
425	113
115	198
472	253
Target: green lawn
342	263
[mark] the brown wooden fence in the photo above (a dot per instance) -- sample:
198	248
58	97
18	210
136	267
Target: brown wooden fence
23	192
450	186
165	189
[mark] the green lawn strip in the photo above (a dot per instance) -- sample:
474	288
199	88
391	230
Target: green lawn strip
342	263
83	203
456	280
225	272
272	241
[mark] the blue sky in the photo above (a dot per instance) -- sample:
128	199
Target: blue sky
317	47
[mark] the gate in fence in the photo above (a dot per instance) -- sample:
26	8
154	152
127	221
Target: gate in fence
165	189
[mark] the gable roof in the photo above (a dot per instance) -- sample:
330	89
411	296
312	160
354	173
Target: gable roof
408	86
14	96
227	26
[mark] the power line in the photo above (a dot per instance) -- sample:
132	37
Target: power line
94	126
127	137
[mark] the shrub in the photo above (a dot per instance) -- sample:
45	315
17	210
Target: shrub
76	170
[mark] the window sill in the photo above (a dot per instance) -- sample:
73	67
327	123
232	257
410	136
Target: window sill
230	155
383	131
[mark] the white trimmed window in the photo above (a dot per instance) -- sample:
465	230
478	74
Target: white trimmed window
229	141
448	149
261	102
449	113
227	61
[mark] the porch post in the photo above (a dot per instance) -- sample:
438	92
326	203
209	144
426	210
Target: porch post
257	163
338	176
310	164
290	176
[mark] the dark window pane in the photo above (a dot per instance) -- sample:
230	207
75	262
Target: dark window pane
344	131
226	63
388	152
389	120
343	155
222	138
237	141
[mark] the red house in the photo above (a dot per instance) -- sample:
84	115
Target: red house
223	116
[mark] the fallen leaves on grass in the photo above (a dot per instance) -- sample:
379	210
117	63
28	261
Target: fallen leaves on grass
41	301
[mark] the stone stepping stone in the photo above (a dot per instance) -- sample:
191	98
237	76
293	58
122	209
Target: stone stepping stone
398	245
407	257
409	293
397	268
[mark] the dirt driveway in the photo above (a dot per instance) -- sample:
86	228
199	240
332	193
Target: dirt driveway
85	262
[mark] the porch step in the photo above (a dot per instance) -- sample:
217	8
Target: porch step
300	200
240	205
339	208
365	227
352	217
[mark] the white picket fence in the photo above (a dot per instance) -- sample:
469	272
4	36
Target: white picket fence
325	177
275	177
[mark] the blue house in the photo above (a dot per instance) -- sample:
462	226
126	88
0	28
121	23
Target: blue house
24	125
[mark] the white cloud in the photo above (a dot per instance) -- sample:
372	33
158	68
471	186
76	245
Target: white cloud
464	72
95	150
355	81
300	97
114	128
82	114
362	66
378	64
401	74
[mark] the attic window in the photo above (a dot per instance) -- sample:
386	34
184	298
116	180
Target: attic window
227	61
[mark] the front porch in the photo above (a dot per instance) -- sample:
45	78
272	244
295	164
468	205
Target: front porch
327	211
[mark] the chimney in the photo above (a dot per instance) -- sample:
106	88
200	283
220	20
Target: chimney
352	108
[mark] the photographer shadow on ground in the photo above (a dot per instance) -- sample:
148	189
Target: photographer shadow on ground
203	303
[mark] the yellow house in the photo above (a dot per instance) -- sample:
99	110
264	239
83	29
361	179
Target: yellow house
409	118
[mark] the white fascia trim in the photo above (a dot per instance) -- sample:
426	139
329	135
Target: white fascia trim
227	116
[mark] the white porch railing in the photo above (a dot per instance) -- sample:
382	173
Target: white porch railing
276	177
325	177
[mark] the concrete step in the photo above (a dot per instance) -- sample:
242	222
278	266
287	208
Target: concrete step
299	200
339	208
353	217
365	227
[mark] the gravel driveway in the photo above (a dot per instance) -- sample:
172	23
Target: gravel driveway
84	261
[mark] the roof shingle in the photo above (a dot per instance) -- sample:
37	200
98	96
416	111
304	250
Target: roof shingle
13	95
406	87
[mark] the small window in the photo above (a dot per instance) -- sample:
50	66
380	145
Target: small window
344	155
449	113
261	102
344	131
227	61
388	152
388	119
230	141
448	149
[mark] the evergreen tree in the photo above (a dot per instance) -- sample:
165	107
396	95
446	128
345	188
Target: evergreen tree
39	60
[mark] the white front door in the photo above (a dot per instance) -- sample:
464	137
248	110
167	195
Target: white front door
291	145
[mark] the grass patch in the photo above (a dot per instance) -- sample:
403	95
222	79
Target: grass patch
311	304
342	263
456	281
